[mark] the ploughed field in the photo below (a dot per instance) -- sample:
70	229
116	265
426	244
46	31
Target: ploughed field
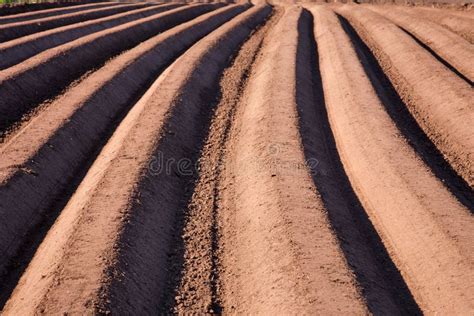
237	158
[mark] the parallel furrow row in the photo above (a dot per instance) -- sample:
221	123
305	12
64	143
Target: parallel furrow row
275	227
421	223
425	85
381	283
39	160
451	47
198	284
125	241
24	86
11	31
460	25
16	51
236	158
51	12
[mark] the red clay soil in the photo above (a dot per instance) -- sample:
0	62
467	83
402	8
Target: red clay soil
198	287
56	128
458	24
16	51
275	227
416	74
130	215
218	158
446	44
14	30
24	86
26	10
418	219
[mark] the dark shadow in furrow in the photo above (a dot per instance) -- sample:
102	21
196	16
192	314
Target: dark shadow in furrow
32	7
13	31
166	196
406	123
36	234
382	285
175	146
216	304
177	250
18	264
21	52
74	64
438	58
216	301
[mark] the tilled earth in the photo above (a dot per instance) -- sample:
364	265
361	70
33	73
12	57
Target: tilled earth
241	158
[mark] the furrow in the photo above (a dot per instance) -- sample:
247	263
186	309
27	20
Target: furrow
407	124
439	100
196	286
425	229
451	47
116	261
468	13
24	86
16	51
381	283
460	25
212	157
35	7
39	161
280	255
51	12
15	30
